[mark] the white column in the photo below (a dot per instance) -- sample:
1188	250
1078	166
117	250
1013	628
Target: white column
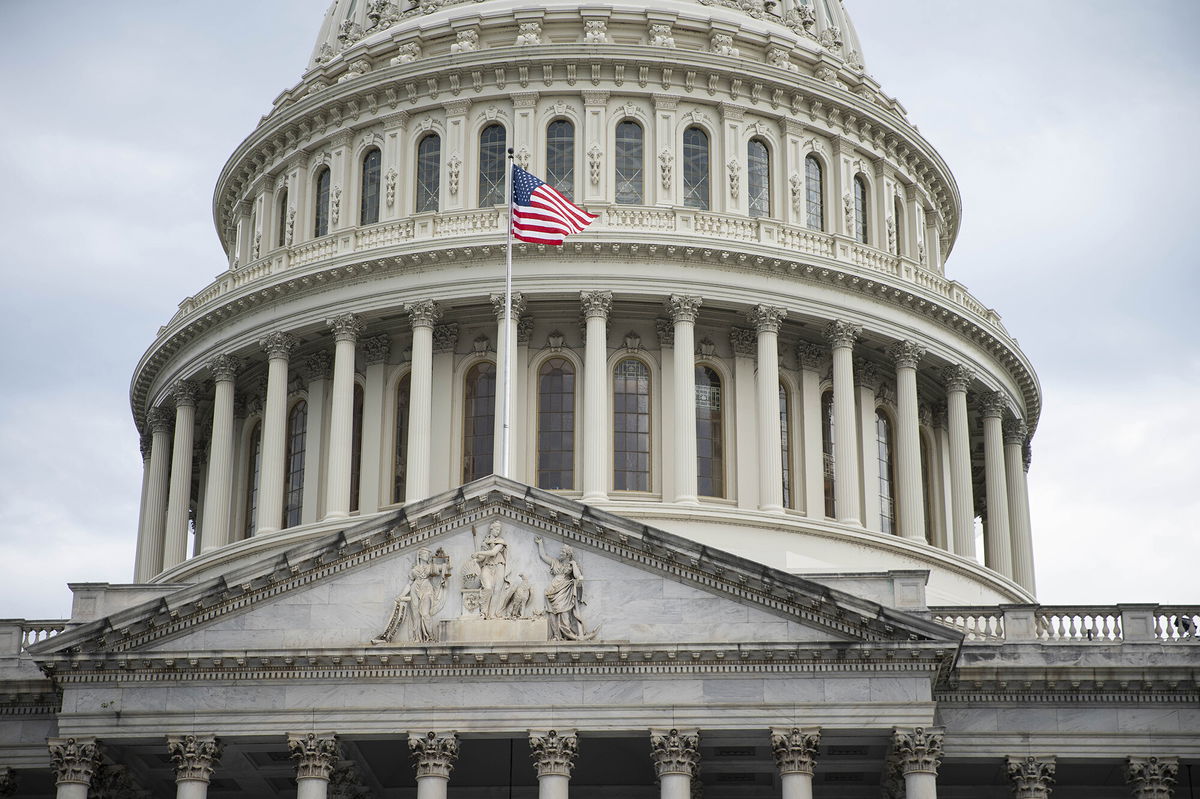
1032	776
504	335
279	347
795	749
842	336
180	498
596	435
1152	777
867	382
554	757
443	474
684	311
767	320
219	491
1015	434
811	356
144	445
423	316
374	449
195	757
433	755
319	368
744	344
958	378
918	753
152	526
74	761
998	541
346	329
315	757
910	493
941	436
676	757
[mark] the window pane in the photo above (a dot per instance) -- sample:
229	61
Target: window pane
631	416
293	489
321	227
860	209
898	221
814	193
283	219
560	156
491	165
255	468
758	178
629	162
369	207
710	461
695	169
479	420
403	390
429	173
887	485
556	425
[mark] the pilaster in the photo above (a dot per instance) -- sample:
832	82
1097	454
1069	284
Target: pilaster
811	357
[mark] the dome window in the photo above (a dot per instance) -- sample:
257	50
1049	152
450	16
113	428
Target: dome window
429	173
695	169
814	192
321	217
556	425
492	143
758	178
369	204
860	209
631	426
479	421
560	156
629	163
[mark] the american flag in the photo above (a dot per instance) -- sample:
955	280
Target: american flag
541	214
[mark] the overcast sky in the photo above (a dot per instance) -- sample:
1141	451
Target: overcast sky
1070	126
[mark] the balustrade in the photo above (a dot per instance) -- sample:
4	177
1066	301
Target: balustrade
33	632
1073	624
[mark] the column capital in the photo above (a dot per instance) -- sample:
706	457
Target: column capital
918	750
376	349
743	342
1031	776
1015	431
184	393
518	305
675	752
553	752
224	367
992	405
795	748
810	355
1152	777
279	344
160	420
424	313
319	366
665	331
194	756
596	303
958	377
346	326
445	337
433	754
866	374
74	760
766	318
907	354
840	333
315	755
683	308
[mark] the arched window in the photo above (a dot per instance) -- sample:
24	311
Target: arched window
321	216
860	209
631	426
887	472
927	493
556	425
814	193
785	428
253	470
356	445
628	163
479	421
695	168
400	484
429	173
492	142
898	216
293	490
281	238
758	178
827	452
710	437
560	156
369	206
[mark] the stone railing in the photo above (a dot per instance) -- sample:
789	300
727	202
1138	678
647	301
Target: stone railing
1072	624
33	632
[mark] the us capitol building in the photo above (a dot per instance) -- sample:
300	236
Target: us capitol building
758	434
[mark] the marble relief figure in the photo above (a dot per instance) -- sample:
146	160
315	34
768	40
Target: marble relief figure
422	598
492	563
564	595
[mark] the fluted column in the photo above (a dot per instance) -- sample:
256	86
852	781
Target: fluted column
684	311
1032	777
180	498
676	756
346	329
423	316
376	351
998	542
315	757
504	334
767	320
811	356
554	757
279	347
74	761
1015	434
219	491
866	387
918	754
842	336
795	751
596	436
958	379
152	526
910	492
433	757
1152	777
318	368
195	757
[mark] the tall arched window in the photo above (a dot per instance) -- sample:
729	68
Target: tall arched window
758	178
253	470
695	168
927	493
631	426
492	142
560	156
710	434
898	217
629	163
293	489
785	428
369	206
281	237
429	173
887	472
860	209
814	193
321	215
356	445
556	425
479	421
400	484
827	451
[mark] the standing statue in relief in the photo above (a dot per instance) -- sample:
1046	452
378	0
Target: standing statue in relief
492	561
564	595
422	599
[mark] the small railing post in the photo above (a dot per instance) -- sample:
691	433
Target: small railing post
1137	622
1020	623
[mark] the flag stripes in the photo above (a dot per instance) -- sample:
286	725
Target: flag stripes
541	214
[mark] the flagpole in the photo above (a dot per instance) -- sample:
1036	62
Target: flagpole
505	430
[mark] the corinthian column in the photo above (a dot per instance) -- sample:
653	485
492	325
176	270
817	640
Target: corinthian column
911	513
315	757
1015	434
767	321
433	757
154	510
180	500
217	496
958	378
74	761
503	454
596	307
1031	776
676	758
194	756
279	347
1152	777
423	316
811	356
918	754
684	311
346	329
795	749
554	757
842	336
998	543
